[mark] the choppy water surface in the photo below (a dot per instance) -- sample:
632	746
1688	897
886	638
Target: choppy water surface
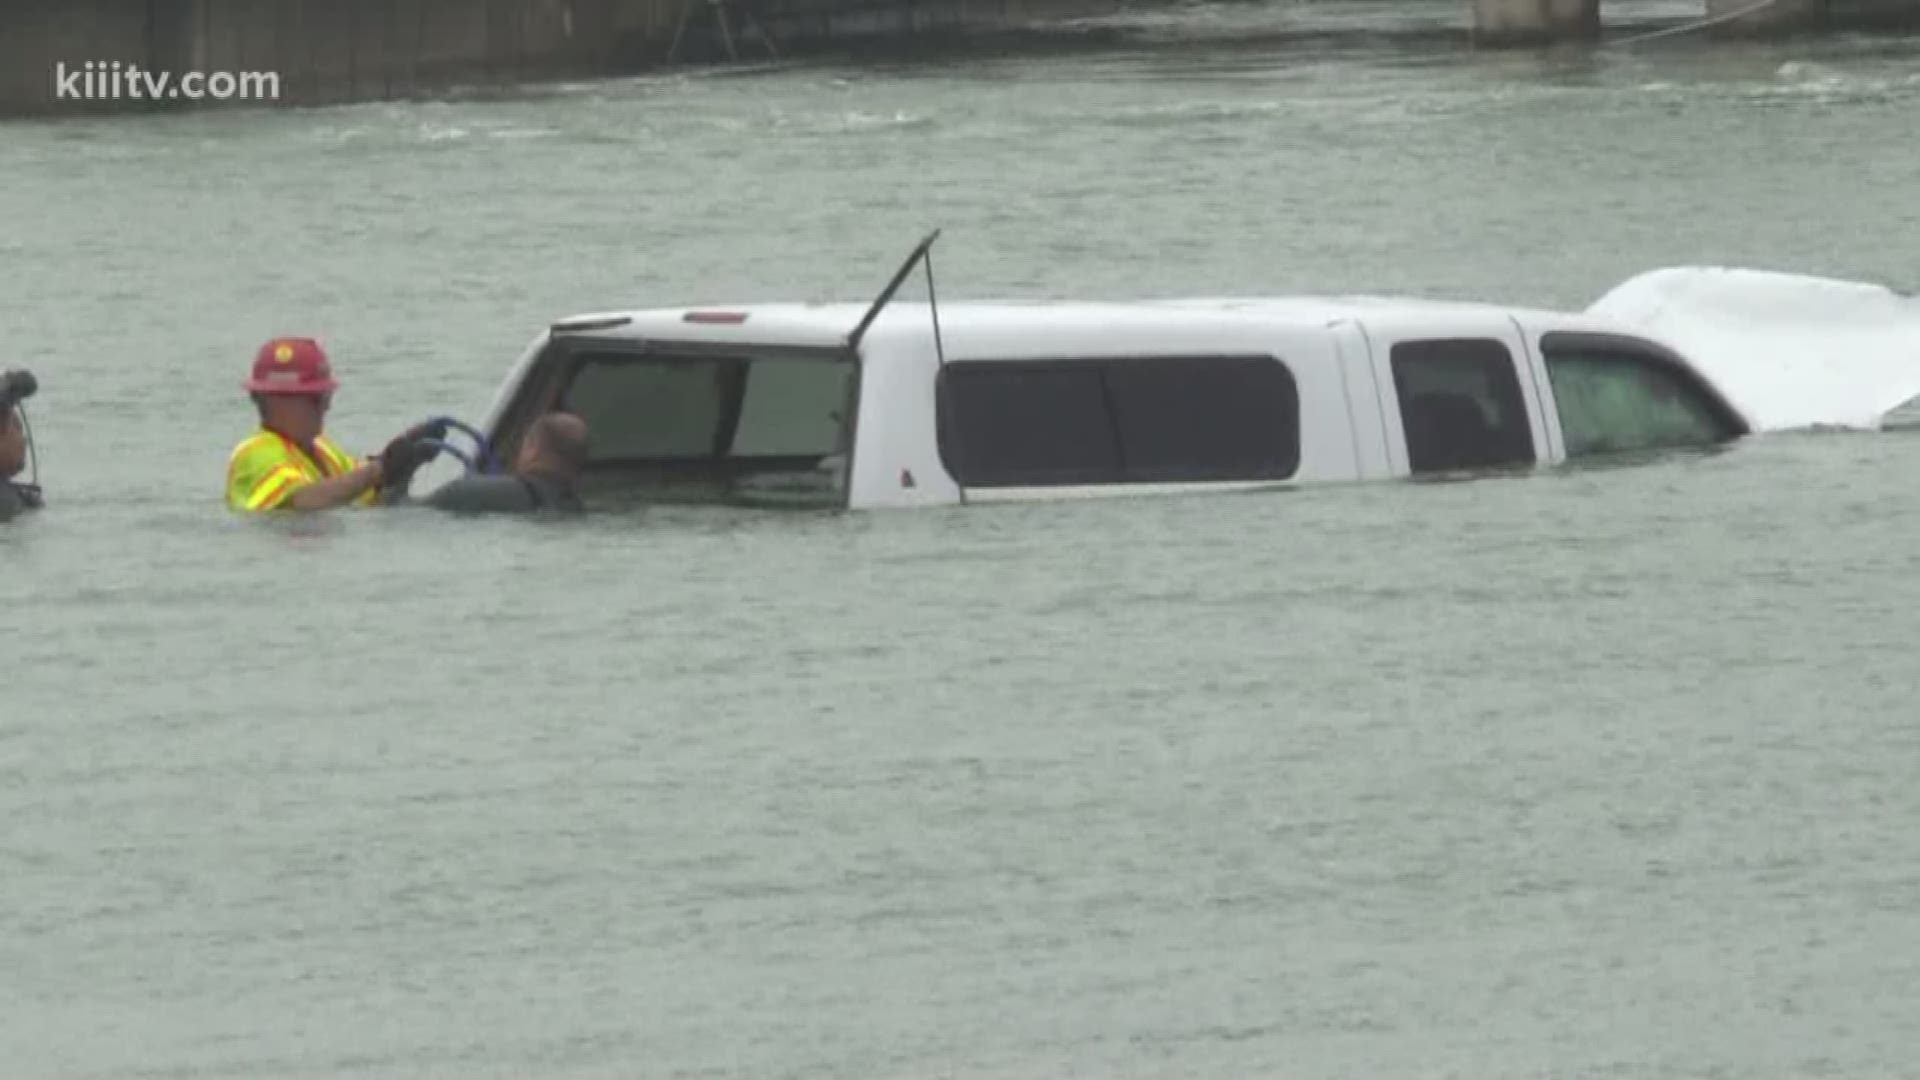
1603	773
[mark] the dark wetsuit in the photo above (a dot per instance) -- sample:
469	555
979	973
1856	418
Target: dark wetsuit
509	494
14	498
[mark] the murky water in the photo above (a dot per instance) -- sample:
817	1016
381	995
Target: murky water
1600	773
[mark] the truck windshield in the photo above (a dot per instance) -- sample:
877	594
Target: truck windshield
713	428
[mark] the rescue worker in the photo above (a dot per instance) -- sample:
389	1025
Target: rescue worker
290	463
15	387
543	476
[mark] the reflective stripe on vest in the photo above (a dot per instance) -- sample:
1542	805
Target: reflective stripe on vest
276	484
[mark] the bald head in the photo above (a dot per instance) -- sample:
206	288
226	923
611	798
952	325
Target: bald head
557	442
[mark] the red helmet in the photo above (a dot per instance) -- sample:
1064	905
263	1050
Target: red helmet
291	366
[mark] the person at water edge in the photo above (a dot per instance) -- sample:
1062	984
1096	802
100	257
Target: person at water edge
543	475
289	462
15	386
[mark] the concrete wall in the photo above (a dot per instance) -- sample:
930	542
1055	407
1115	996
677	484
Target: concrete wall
338	50
805	22
1795	16
1893	14
35	35
1753	16
1505	22
1782	16
325	50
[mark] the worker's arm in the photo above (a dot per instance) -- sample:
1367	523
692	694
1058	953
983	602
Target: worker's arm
337	490
484	494
393	467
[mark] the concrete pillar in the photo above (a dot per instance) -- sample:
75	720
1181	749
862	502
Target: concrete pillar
638	31
41	39
175	38
1515	22
223	37
1764	16
27	52
375	53
404	27
314	49
452	40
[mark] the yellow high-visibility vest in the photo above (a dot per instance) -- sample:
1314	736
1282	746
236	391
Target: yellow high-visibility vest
267	468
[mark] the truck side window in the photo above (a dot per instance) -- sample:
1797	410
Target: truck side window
1025	423
1118	420
1461	406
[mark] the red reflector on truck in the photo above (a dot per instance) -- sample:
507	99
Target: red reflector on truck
716	316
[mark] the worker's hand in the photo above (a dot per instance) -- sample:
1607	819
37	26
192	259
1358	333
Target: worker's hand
402	458
431	429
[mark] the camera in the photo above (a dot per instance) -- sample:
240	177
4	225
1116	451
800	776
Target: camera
16	387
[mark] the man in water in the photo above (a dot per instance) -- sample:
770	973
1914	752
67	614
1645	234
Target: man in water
15	386
543	477
289	463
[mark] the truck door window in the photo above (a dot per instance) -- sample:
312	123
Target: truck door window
1461	406
1613	401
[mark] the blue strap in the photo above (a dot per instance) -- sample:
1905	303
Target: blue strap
442	445
483	451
